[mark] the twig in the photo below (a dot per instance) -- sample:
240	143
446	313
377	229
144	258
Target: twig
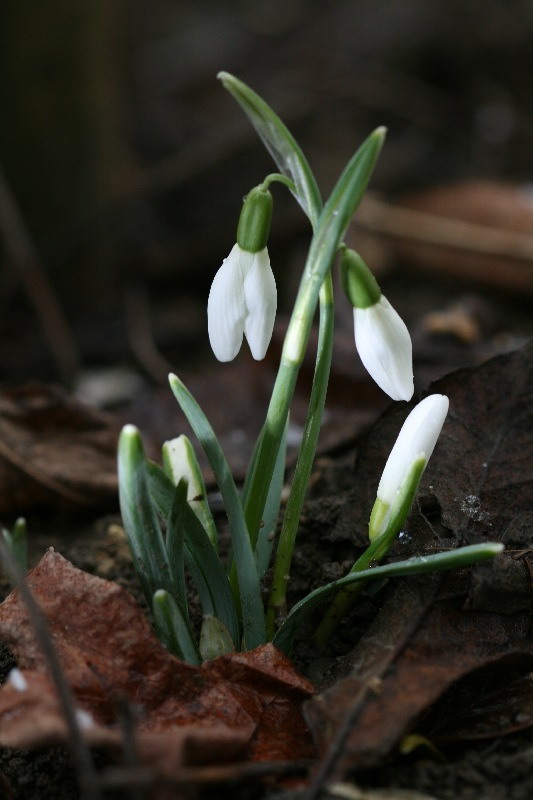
81	755
23	254
402	222
40	476
129	745
141	337
120	777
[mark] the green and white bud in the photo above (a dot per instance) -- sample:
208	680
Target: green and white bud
173	628
406	464
180	463
214	638
17	543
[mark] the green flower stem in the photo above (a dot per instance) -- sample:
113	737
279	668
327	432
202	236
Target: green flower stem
278	605
270	439
278	178
292	356
329	231
376	551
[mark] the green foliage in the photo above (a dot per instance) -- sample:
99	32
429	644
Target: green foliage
166	516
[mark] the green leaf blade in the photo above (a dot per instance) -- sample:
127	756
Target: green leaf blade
253	615
139	516
344	200
279	142
452	559
173	628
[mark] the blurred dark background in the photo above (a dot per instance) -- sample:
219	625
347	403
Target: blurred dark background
124	163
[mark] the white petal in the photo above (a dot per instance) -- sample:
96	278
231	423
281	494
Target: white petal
17	680
261	302
418	436
226	310
385	348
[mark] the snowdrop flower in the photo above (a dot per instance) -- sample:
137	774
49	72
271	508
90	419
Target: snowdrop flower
406	463
243	297
381	336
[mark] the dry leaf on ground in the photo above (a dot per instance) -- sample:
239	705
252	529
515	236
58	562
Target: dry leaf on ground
110	654
435	630
54	451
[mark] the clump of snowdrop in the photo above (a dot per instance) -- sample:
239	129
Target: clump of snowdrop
166	515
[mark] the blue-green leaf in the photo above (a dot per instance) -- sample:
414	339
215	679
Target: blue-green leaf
343	202
265	537
208	573
140	517
253	615
173	628
452	559
279	142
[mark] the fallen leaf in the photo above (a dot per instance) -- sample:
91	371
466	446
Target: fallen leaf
481	475
109	654
54	451
434	630
483	706
477	230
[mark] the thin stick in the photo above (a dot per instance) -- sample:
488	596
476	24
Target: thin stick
81	755
402	222
25	257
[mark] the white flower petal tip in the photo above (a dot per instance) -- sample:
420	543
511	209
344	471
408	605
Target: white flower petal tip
17	680
384	346
417	438
242	301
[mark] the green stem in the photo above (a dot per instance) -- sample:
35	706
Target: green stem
377	550
329	230
278	178
278	604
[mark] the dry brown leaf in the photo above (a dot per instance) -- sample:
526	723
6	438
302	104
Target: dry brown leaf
478	230
54	451
109	654
434	631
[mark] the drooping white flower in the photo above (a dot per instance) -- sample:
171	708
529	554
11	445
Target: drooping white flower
381	337
384	346
407	461
243	296
242	301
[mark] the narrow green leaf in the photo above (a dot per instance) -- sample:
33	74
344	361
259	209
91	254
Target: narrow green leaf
343	202
172	628
17	542
452	559
140	517
253	615
175	543
277	603
279	142
265	537
206	568
207	571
